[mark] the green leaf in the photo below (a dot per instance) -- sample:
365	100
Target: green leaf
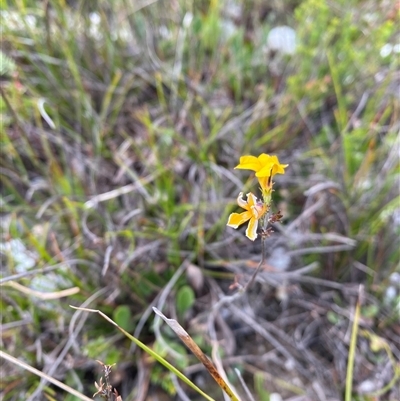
184	299
122	316
332	317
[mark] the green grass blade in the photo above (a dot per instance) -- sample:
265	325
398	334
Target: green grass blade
156	356
352	350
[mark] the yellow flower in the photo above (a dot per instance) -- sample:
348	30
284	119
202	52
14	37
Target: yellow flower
254	211
265	166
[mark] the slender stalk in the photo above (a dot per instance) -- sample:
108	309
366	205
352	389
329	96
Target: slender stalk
41	374
250	282
352	349
263	238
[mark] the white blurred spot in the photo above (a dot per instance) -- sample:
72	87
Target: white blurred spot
164	32
23	259
390	295
275	397
187	20
282	39
95	18
386	50
31	21
395	279
280	258
367	386
396	217
95	28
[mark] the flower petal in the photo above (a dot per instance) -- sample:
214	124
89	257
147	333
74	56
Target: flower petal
241	202
265	159
258	210
249	163
265	182
265	172
271	167
251	231
279	169
251	200
236	219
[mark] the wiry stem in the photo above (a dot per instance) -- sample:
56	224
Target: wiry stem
264	236
247	286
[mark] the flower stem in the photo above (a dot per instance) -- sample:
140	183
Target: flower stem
247	286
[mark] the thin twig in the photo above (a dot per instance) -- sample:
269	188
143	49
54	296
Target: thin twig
44	270
73	332
253	277
44	376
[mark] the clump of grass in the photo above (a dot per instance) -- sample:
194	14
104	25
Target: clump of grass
117	152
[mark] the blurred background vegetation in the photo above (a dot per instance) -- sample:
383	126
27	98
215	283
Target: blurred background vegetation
121	122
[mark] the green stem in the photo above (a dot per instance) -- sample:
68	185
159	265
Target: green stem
352	350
